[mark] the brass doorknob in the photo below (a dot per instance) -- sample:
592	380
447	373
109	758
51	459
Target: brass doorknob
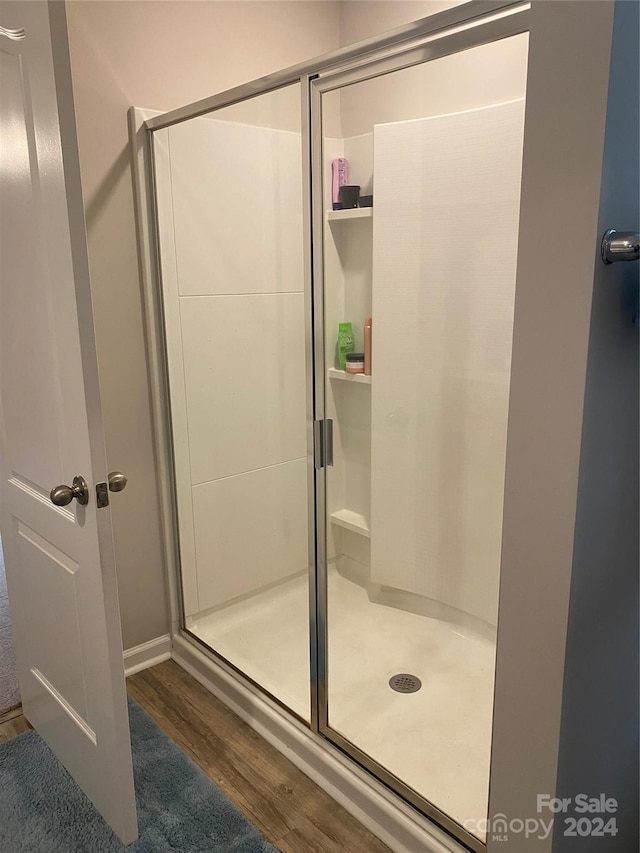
63	495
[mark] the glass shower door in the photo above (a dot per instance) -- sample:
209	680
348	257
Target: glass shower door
236	312
418	271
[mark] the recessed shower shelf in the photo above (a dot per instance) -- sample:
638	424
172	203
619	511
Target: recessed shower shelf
350	213
352	521
358	378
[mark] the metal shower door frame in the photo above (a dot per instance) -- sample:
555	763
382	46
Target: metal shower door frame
451	31
474	33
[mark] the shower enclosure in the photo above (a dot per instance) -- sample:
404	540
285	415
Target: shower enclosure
338	535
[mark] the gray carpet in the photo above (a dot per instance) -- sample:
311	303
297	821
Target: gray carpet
179	807
9	691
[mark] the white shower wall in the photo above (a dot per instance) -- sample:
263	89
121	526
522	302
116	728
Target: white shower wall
460	84
231	221
444	270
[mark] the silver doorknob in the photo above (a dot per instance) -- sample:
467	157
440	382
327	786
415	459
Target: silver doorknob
117	481
620	246
63	495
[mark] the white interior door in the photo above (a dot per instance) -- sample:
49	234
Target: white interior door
60	565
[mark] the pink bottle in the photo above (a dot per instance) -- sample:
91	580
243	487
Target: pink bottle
368	324
339	178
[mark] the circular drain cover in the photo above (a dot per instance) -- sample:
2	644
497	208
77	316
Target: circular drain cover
403	682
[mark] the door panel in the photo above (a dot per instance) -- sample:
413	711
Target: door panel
59	560
56	648
35	449
415	491
236	314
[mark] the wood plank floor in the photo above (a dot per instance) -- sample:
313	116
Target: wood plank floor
293	813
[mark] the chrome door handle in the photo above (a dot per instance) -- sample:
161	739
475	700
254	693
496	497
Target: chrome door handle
620	246
323	443
63	495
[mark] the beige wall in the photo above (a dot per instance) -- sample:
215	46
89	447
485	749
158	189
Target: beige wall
158	55
362	19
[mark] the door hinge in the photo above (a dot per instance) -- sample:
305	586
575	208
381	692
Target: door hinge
323	443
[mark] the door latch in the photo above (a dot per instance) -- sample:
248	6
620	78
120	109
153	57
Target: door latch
102	495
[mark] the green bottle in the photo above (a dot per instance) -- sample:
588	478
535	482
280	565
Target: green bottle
345	343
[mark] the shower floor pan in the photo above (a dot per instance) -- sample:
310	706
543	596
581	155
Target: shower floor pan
437	740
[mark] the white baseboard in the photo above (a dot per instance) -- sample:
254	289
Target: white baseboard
147	654
385	815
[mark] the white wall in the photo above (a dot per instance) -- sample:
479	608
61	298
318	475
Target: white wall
158	55
233	282
447	193
490	74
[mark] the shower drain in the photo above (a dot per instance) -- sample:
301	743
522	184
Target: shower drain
405	683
